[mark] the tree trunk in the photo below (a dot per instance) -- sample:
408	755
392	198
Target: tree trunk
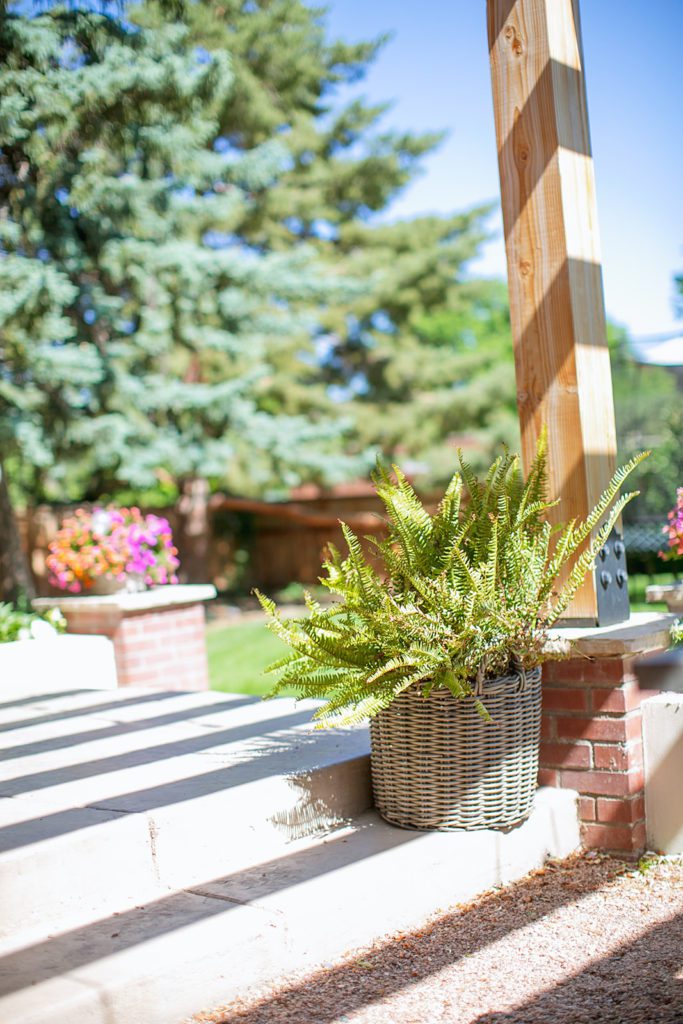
193	539
16	582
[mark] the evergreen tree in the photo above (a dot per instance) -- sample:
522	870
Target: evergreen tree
426	358
137	327
649	414
423	354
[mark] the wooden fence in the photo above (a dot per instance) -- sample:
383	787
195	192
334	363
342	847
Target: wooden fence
235	543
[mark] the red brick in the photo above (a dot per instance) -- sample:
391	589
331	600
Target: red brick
620	838
193	624
132	624
602	783
589	670
140	646
548	728
617	730
548	777
624	698
569	755
144	677
635	753
614	757
621	812
564	700
587	810
608	700
637	779
639	838
618	757
159	648
131	662
638	807
571	671
100	627
590	728
195	633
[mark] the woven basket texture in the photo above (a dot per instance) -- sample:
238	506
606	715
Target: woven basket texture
437	764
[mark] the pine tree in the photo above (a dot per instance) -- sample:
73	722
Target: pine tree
425	359
137	328
423	354
649	414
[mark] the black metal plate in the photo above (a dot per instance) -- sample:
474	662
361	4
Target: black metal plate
611	582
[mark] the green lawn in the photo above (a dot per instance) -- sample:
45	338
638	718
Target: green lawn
238	656
637	585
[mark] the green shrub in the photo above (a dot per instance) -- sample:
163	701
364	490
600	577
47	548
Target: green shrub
469	591
19	625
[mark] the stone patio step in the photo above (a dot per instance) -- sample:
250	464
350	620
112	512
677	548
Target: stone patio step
112	798
160	962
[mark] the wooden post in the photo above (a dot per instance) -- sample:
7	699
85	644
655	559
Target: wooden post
553	255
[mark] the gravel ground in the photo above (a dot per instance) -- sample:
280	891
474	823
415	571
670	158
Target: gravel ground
589	940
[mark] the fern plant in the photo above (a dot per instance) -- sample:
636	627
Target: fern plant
469	591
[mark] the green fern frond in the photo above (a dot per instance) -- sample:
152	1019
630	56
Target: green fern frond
607	497
586	560
537	478
466	590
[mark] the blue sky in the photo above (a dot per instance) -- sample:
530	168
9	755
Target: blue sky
436	70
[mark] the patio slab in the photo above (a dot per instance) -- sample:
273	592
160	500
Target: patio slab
159	853
153	795
164	960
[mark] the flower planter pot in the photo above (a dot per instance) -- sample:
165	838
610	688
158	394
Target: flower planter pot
436	764
104	586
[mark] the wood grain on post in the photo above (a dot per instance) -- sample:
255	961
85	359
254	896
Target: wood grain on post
553	252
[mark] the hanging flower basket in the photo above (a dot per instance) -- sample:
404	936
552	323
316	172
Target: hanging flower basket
437	764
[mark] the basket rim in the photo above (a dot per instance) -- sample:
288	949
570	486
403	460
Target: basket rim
480	685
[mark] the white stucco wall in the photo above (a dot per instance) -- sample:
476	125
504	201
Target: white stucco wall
663	751
69	662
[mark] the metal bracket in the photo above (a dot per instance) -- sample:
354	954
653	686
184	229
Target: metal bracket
611	582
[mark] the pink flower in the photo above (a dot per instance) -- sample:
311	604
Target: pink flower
111	542
674	529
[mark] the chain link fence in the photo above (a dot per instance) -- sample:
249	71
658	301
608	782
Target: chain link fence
644	540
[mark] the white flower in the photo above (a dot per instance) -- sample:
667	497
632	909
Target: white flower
100	522
41	630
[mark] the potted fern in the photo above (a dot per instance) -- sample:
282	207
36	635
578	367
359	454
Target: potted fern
442	649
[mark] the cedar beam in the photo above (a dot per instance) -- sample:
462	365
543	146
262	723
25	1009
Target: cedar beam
553	255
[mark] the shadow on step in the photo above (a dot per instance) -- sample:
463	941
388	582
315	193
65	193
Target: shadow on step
78	712
276	727
282	752
38	698
636	982
105	732
66	952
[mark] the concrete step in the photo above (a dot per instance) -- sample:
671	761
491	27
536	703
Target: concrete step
187	950
112	798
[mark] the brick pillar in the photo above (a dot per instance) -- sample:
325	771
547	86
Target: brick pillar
591	741
158	636
164	648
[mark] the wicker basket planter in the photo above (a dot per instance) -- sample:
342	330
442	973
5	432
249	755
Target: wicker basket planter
436	764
